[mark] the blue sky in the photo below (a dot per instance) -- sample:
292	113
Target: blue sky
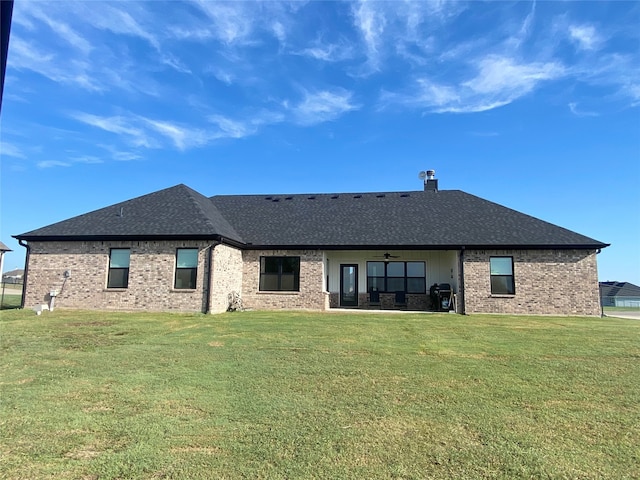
535	106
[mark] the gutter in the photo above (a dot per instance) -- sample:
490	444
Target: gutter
26	272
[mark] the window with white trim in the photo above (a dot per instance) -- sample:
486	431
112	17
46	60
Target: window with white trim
186	268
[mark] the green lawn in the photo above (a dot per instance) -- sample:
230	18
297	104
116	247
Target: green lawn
10	301
91	395
621	309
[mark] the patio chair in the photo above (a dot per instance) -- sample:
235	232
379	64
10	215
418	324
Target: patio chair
401	299
374	298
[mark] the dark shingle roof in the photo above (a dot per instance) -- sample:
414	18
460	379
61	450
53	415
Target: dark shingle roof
173	212
444	219
619	289
448	218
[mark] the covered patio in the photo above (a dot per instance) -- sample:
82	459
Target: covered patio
413	280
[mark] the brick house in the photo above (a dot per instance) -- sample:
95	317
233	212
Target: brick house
177	250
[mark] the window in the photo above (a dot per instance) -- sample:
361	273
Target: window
502	282
396	277
416	277
280	274
118	268
186	268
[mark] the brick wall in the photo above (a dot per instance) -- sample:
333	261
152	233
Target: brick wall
557	282
415	302
226	278
310	296
151	276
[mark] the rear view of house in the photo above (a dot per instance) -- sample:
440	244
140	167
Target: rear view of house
177	250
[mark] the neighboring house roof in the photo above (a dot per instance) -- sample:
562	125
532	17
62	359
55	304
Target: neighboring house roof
418	219
4	248
619	289
14	273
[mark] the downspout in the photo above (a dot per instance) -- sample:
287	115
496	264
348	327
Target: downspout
600	299
26	272
461	286
209	280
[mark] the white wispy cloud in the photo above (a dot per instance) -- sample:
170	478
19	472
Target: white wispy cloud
119	155
119	125
498	81
52	163
233	22
36	58
151	133
228	128
11	150
183	137
370	22
49	15
323	106
240	128
510	79
90	159
116	20
585	37
580	113
327	52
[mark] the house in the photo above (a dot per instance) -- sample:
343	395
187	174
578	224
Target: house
619	294
13	276
3	249
178	250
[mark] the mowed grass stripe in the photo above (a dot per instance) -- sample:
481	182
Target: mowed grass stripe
100	395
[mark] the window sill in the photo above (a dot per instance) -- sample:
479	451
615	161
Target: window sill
119	289
502	295
277	292
183	290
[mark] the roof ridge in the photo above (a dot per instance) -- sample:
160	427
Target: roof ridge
303	194
190	191
200	200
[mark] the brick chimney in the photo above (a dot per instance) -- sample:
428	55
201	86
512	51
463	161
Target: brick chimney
430	182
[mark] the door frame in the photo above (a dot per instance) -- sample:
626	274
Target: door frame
344	303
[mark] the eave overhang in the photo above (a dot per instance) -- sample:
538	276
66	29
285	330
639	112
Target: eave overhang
250	246
132	238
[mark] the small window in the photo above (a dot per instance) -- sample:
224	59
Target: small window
186	268
118	268
280	274
502	281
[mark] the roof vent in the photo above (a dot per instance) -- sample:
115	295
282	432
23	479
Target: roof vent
334	196
380	195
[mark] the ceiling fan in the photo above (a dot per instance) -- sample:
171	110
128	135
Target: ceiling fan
387	256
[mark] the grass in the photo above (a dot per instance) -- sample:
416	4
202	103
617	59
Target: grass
92	395
10	301
621	309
